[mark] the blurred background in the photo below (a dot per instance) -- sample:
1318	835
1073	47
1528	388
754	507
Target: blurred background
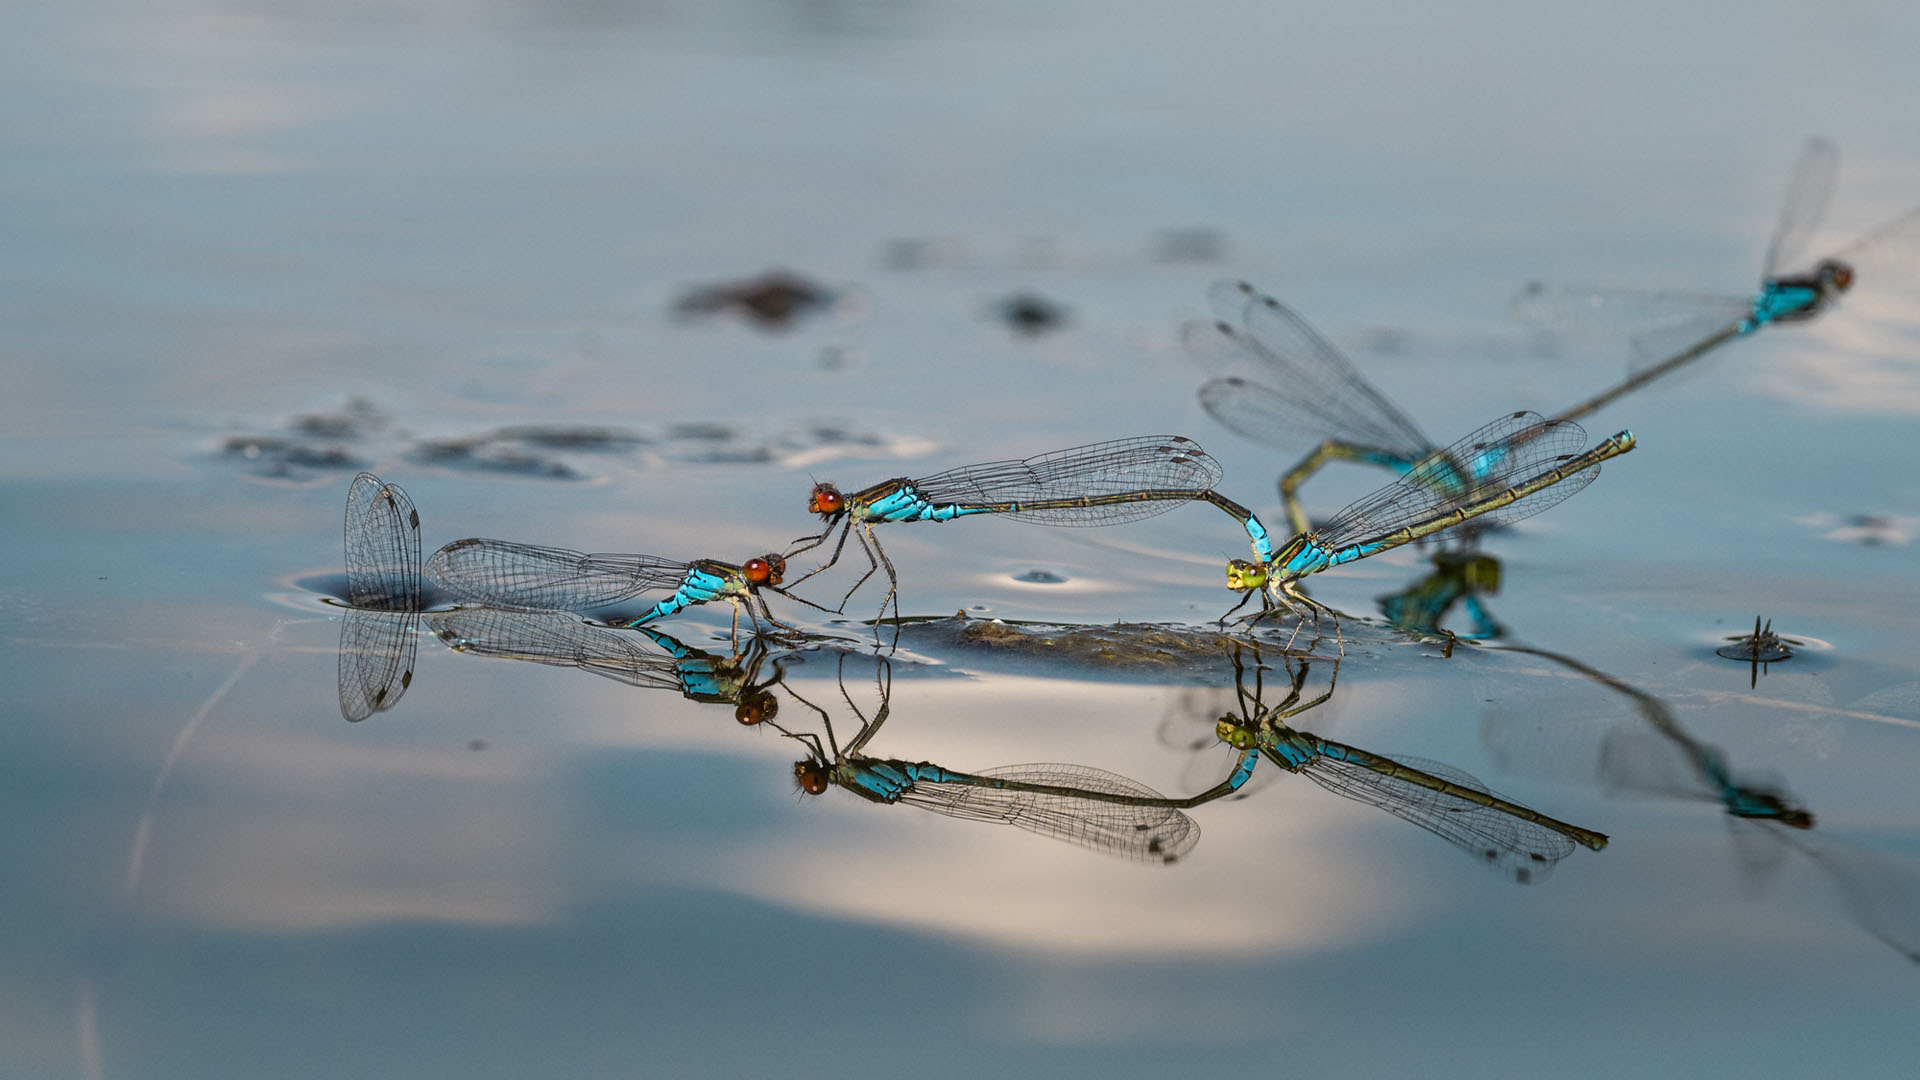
515	258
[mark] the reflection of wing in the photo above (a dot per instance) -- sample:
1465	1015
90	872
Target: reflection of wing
1523	850
528	577
377	650
1142	833
1302	390
1806	206
554	638
1881	890
383	546
1143	463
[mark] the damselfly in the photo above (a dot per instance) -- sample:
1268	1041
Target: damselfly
379	630
1517	840
1076	803
1707	322
1304	391
564	640
1527	465
1101	484
527	577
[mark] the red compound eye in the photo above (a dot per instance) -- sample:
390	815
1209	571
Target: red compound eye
811	777
826	499
757	572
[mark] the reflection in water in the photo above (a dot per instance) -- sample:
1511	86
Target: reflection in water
1076	803
1458	577
378	633
1881	891
1516	840
1079	804
564	640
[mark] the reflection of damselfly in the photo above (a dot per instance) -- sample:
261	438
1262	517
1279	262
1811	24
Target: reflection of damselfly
1303	391
378	632
1703	323
563	640
1881	890
1520	842
1526	464
1075	803
527	577
1101	484
1458	577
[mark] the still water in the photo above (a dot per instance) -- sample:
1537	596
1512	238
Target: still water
489	252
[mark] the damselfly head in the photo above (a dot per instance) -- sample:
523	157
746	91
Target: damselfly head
765	570
811	775
826	501
1834	275
755	707
1243	575
1228	729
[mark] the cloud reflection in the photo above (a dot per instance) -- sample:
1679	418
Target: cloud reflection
310	832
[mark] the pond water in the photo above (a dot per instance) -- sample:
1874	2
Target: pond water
494	254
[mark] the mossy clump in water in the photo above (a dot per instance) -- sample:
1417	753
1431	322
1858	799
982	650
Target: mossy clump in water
1114	645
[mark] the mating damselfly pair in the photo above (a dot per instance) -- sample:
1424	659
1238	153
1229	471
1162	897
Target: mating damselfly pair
1516	466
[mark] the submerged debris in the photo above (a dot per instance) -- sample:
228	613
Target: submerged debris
770	301
1030	314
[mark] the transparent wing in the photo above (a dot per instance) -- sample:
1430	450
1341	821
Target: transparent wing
383	546
1523	850
1065	802
1302	391
1656	347
1515	448
1601	312
1889	247
527	577
1167	463
553	638
377	651
1881	890
1808	194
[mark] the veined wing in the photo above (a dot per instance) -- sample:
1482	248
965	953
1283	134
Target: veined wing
1523	850
1517	447
527	577
1097	471
377	651
383	546
556	638
1808	194
1076	803
1303	389
1886	247
1585	309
